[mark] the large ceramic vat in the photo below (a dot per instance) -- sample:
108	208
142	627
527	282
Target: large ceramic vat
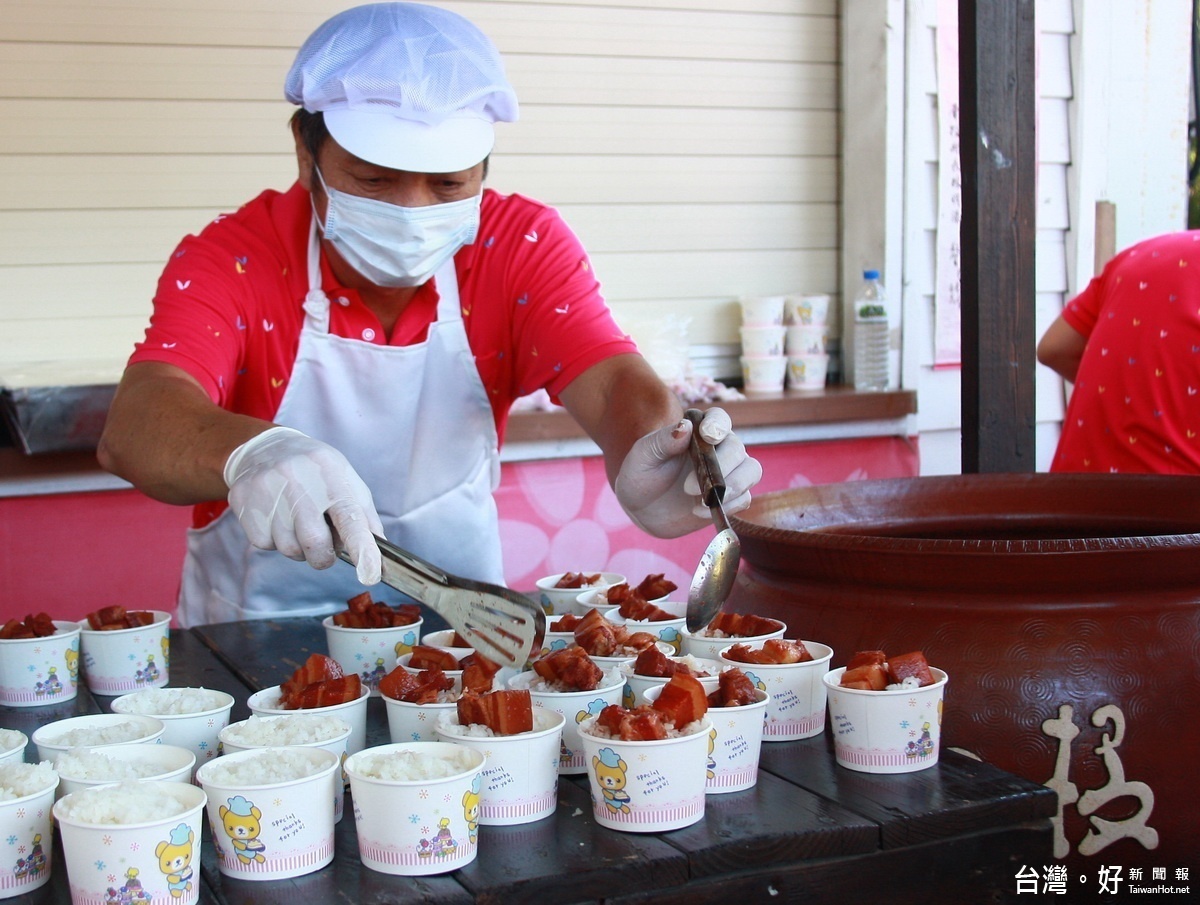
1065	608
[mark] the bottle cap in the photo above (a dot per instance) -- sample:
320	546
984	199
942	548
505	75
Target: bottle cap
870	274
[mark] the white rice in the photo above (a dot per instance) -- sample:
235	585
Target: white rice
701	669
94	736
261	768
128	802
297	729
538	684
9	739
407	766
471	730
19	780
172	701
906	682
99	767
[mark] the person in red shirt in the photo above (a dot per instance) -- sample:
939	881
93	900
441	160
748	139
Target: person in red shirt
349	349
1130	343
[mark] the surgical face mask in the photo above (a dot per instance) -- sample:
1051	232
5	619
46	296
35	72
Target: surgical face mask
392	245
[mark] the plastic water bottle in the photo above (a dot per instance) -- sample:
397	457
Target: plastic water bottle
870	334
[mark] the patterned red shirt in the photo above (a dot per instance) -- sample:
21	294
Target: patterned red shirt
228	309
1135	406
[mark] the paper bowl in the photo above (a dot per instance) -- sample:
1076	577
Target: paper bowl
415	722
12	746
25	825
96	730
763	310
669	631
597	599
553	641
156	846
127	659
273	826
812	309
370	652
700	645
35	671
575	706
170	763
640	685
615	662
266	703
807	372
886	731
646	787
296	730
797	706
763	374
520	778
558	601
417	826
204	712
805	339
734	743
760	341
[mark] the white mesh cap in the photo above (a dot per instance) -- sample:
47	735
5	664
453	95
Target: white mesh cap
405	85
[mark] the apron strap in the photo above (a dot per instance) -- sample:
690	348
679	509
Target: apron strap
316	302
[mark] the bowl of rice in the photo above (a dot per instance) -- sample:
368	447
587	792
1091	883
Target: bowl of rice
647	786
370	652
707	671
123	660
40	670
294	730
557	600
81	768
12	746
268	703
118	836
411	722
796	709
193	717
271	810
520	779
26	794
575	706
436	786
94	731
709	643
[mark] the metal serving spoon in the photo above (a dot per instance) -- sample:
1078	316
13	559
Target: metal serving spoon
719	565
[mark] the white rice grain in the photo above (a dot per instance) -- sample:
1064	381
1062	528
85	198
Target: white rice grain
172	701
9	739
297	729
407	766
19	780
262	768
88	736
126	802
99	767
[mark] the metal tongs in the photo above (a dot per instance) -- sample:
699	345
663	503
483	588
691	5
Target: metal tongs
719	565
501	624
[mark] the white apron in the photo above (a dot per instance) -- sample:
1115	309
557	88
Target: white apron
416	424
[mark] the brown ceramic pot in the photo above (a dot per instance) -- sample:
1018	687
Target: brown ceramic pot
1065	609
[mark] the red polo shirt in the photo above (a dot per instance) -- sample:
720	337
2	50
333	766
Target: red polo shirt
228	309
1135	406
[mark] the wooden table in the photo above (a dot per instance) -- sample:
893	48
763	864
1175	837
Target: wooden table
809	831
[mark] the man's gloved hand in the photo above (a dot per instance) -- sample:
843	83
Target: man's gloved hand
657	484
281	484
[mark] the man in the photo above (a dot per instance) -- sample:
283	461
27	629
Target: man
1130	342
352	346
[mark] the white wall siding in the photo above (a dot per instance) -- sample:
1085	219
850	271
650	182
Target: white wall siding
692	144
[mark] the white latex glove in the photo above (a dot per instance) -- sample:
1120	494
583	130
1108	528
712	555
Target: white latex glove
281	484
657	484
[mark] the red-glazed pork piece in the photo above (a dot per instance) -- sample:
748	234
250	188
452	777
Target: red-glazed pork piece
327	693
652	587
774	651
596	635
571	667
642	724
423	657
639	610
577	579
734	689
479	673
420	688
504	712
114	618
38	625
363	612
681	701
910	664
565	623
868	677
867	658
743	625
653	662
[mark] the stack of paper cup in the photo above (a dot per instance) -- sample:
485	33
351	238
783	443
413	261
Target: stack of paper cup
804	344
764	363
